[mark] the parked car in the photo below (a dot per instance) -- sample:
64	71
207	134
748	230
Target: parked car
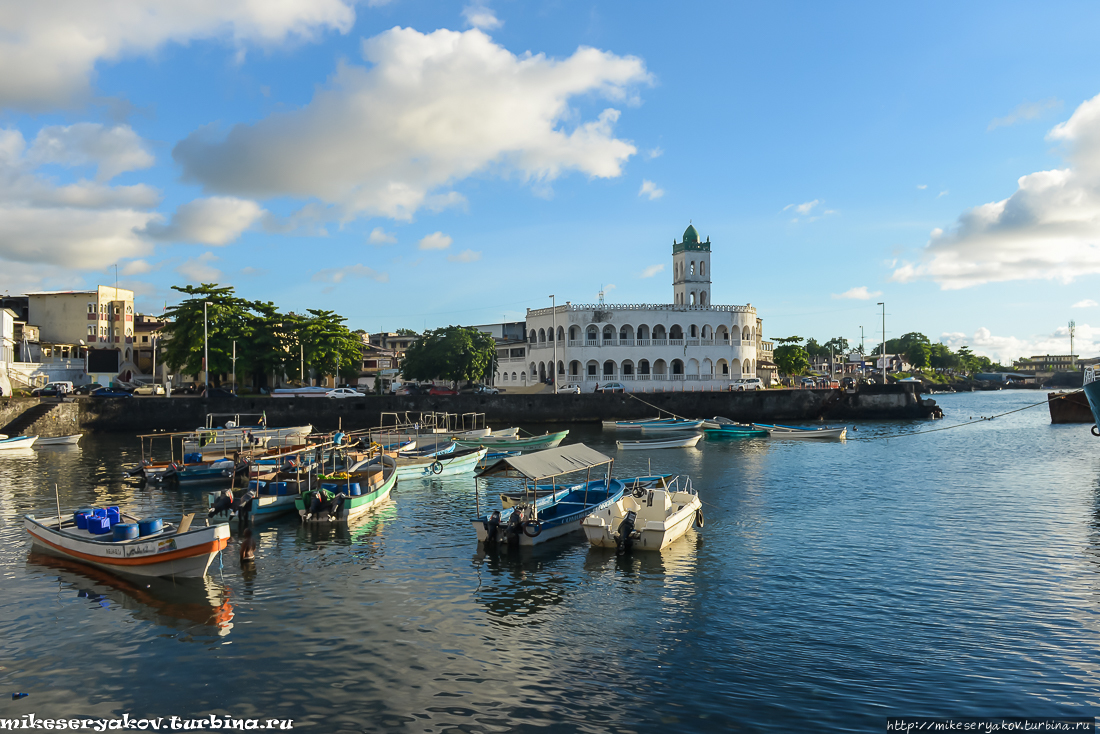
219	392
483	390
410	388
87	389
152	389
848	382
747	383
808	382
53	389
610	387
343	392
571	388
442	390
111	392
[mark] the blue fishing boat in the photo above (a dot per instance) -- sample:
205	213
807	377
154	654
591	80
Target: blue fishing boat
1092	394
532	522
735	431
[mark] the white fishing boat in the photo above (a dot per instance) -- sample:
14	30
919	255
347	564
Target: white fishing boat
239	431
646	518
672	442
59	440
439	463
535	521
719	422
18	442
515	443
679	424
139	547
613	425
794	432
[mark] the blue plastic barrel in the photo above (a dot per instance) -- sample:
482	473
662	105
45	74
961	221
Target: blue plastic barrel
353	489
81	518
114	516
331	487
255	484
99	525
192	458
150	525
125	531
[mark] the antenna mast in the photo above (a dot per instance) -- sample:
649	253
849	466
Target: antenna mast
1072	333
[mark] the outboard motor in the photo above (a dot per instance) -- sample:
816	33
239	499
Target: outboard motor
492	526
315	504
515	527
243	505
626	536
336	505
223	503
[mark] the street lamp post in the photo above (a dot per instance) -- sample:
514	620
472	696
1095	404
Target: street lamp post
234	366
554	367
883	342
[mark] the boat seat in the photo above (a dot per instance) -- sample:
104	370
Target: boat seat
656	505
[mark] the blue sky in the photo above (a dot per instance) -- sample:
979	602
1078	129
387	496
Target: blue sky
416	164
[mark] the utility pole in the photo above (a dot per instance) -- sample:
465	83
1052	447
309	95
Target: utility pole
554	368
234	366
862	349
205	351
1072	333
302	368
883	342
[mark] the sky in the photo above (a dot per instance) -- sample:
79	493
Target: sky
417	164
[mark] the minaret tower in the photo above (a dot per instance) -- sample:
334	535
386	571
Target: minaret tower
691	270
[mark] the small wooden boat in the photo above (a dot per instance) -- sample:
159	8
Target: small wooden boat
18	442
735	432
439	464
636	424
719	421
530	443
59	440
338	502
678	424
164	549
646	519
674	442
207	471
794	432
536	521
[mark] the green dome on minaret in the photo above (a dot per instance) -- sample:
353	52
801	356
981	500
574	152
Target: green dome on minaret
691	242
690	235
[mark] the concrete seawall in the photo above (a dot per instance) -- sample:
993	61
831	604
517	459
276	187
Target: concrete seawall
875	402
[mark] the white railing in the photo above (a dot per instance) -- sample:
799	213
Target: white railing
591	343
638	307
674	377
608	342
693	342
676	342
641	377
706	343
626	342
642	342
576	343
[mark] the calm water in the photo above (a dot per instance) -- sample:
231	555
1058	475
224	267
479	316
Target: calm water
952	573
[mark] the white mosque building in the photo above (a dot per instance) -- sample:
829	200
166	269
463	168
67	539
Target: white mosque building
646	346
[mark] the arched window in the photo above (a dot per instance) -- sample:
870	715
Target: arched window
735	367
608	368
745	333
643	367
608	334
659	332
676	332
693	366
677	367
692	270
693	298
626	333
694	331
702	298
628	367
593	334
574	333
514	376
707	333
561	367
574	368
659	367
592	367
505	377
534	370
523	376
724	334
643	332
542	335
702	268
534	336
542	370
91	308
561	333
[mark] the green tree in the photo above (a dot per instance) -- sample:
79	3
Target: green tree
941	358
917	355
330	347
407	332
838	344
790	357
226	317
452	353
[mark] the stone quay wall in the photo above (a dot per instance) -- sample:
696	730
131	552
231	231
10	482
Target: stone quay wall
870	402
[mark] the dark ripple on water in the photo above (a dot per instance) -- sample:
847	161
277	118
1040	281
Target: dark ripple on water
954	573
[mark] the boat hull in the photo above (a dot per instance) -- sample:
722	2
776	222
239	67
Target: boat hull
357	505
1069	407
186	555
19	442
442	465
59	440
794	432
658	524
741	433
559	514
532	443
672	443
1092	394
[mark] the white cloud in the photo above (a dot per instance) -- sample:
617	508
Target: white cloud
1026	111
922	186
435	241
136	267
945	192
479	15
338	275
112	150
56	45
1005	349
466	256
428	111
652	270
1087	303
199	269
859	293
1048	229
217	221
804	208
379	236
654	153
650	189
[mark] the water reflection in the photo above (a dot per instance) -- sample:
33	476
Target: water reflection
519	583
198	607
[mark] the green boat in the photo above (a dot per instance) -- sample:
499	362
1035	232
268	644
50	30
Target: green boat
515	443
735	432
338	501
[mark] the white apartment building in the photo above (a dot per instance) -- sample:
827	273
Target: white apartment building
646	346
102	318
